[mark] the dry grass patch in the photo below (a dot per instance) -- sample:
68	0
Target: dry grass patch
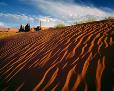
6	34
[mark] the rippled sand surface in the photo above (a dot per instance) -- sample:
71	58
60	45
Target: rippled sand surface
74	58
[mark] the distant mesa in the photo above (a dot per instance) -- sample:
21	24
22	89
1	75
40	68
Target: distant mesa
9	30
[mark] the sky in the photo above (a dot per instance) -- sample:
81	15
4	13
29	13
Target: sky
13	13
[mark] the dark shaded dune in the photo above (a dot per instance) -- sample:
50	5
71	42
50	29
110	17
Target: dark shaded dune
74	58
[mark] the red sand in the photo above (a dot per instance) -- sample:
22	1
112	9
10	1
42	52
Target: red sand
75	58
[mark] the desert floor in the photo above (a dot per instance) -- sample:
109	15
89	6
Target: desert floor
75	58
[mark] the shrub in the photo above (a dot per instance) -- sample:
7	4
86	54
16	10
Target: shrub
109	18
21	28
27	28
61	25
86	20
24	29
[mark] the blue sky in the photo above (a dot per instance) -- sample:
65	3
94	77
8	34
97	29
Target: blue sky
13	13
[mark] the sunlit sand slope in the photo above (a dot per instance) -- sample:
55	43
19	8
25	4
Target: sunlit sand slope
75	58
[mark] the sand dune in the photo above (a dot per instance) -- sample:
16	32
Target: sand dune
74	58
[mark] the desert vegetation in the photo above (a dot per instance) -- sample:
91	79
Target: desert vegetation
24	29
73	58
6	34
109	18
90	19
60	25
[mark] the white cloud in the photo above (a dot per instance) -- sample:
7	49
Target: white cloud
67	10
58	11
3	25
49	22
24	19
17	17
